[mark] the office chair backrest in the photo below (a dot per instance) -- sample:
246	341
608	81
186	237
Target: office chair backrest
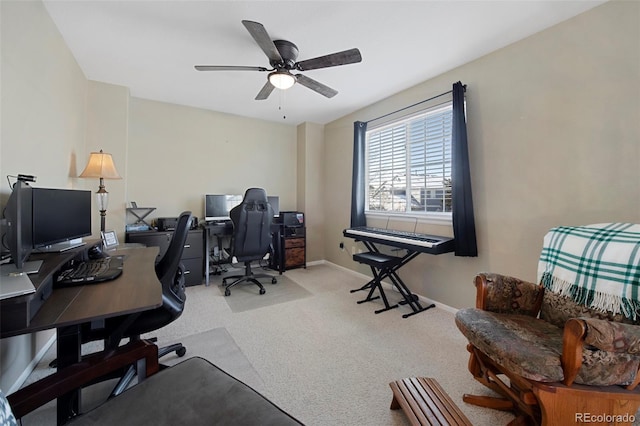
170	272
252	225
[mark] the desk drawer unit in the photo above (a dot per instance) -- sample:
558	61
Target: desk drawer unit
294	252
192	256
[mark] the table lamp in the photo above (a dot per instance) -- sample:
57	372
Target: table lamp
101	166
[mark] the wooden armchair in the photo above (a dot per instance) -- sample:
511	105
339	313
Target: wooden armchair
551	360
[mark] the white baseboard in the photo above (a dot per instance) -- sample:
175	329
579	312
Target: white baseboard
32	365
389	286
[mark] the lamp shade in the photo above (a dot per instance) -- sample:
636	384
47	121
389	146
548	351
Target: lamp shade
100	166
282	79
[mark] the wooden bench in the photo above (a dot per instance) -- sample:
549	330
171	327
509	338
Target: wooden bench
425	402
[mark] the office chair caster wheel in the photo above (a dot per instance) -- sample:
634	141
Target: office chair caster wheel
227	292
181	352
274	280
262	291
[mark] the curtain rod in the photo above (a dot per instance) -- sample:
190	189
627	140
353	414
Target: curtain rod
411	106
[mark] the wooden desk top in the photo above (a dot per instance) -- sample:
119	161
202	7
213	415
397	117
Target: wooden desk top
137	289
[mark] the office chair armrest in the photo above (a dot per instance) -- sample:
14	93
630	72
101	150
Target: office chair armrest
27	399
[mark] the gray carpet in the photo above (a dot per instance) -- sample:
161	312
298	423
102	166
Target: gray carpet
246	297
218	346
324	359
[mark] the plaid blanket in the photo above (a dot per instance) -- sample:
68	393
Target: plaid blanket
595	265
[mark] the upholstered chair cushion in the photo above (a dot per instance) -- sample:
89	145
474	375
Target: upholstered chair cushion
507	294
557	309
532	347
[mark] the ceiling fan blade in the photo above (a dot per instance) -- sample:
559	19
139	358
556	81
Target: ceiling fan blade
345	57
316	86
261	37
265	91
228	68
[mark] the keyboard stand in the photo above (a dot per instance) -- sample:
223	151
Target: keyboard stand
384	266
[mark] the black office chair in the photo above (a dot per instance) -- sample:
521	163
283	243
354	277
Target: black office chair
251	239
170	273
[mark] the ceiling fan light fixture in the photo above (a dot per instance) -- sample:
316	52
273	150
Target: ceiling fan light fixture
282	80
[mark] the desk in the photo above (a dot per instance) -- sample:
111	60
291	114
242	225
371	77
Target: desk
219	230
136	290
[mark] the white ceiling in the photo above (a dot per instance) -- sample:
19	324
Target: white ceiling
151	46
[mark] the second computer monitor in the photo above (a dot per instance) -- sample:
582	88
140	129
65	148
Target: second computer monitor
274	200
218	206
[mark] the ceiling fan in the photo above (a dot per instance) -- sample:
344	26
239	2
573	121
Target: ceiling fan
282	56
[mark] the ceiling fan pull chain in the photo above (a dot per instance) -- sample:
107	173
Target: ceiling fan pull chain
281	103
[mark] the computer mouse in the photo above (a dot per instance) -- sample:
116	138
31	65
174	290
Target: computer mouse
96	252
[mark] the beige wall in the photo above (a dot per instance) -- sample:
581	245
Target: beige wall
178	154
108	130
43	125
554	139
310	183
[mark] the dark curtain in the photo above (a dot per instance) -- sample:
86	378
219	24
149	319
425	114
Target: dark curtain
464	227
357	187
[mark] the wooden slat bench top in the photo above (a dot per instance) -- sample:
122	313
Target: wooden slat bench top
425	402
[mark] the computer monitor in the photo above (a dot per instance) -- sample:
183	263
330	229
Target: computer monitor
18	219
61	217
218	206
274	200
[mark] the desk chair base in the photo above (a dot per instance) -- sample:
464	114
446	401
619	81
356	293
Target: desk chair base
126	380
248	276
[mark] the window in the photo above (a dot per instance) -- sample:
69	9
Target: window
409	165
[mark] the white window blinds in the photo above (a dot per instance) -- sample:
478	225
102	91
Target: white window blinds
409	164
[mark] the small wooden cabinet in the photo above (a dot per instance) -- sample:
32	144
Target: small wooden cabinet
290	248
294	252
192	256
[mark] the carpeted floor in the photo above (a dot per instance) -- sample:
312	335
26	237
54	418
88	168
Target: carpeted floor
324	358
245	296
218	346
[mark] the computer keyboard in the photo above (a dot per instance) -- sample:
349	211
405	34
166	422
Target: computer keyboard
91	271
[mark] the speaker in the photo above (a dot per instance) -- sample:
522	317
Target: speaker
292	219
167	223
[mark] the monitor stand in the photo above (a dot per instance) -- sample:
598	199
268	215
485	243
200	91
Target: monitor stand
31	267
61	247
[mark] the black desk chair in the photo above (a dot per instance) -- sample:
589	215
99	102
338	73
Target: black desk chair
251	239
170	273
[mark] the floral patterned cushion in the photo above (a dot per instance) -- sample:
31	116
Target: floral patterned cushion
511	295
558	309
531	348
